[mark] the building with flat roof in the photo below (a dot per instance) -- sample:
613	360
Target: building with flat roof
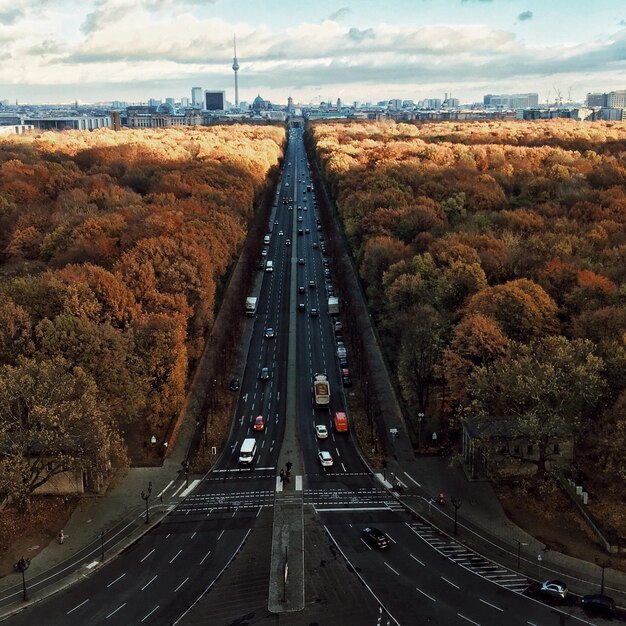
214	100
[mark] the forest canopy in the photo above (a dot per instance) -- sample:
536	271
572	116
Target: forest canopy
480	242
112	245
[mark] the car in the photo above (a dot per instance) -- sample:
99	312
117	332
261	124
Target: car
325	459
299	209
233	385
343	361
345	371
264	252
312	284
300	231
301	307
327	272
275	222
287	242
259	423
315	246
376	537
338	327
321	431
319	229
598	603
281	233
314	313
299	217
300	261
346	381
554	589
301	289
269	333
307	231
264	374
339	339
287	184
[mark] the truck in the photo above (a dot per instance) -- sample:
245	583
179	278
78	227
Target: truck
341	422
321	390
251	302
333	305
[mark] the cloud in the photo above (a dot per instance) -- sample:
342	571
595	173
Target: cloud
338	14
622	22
524	16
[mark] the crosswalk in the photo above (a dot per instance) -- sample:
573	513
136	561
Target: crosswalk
460	555
322	498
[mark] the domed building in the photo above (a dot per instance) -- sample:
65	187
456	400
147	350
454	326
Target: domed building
165	108
259	105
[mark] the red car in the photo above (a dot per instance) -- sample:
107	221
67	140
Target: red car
259	423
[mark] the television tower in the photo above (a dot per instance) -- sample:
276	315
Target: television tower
235	69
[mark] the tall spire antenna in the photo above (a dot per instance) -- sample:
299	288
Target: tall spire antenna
235	69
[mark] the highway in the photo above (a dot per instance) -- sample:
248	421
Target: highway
423	578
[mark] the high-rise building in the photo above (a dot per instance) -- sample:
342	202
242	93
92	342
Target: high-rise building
236	69
196	97
171	101
594	100
514	101
615	99
184	102
214	100
153	102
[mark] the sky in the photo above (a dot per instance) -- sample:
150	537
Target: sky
56	51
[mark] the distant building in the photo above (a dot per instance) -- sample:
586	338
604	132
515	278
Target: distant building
512	101
184	102
258	105
214	100
431	103
171	101
16	129
594	100
395	104
70	123
153	102
196	97
615	99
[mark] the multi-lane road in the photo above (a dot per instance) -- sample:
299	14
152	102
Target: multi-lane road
423	578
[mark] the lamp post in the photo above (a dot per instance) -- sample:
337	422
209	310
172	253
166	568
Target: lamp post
21	566
185	465
146	496
420	417
457	505
603	565
519	551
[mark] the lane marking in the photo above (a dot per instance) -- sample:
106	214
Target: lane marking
450	582
149	582
118	578
412	479
165	488
493	606
420	562
149	614
174	557
425	594
116	610
78	606
471	621
204	557
181	584
391	568
147	555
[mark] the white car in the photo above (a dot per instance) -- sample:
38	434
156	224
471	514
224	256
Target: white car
325	459
321	431
281	233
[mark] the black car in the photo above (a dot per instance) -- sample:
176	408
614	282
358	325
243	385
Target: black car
376	537
598	603
233	385
343	361
347	381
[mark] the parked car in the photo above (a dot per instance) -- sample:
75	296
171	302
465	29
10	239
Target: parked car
233	385
598	603
321	431
259	423
555	589
346	381
325	459
343	361
376	537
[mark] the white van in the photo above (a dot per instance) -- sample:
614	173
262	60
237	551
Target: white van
247	451
269	266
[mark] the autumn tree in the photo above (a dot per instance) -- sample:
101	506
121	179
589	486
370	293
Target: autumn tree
51	421
541	392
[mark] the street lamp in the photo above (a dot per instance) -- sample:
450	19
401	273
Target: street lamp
146	496
457	505
420	417
603	565
185	465
519	550
21	566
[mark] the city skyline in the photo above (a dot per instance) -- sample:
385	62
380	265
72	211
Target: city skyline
63	50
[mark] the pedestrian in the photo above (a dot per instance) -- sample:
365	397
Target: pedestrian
61	537
282	475
434	438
